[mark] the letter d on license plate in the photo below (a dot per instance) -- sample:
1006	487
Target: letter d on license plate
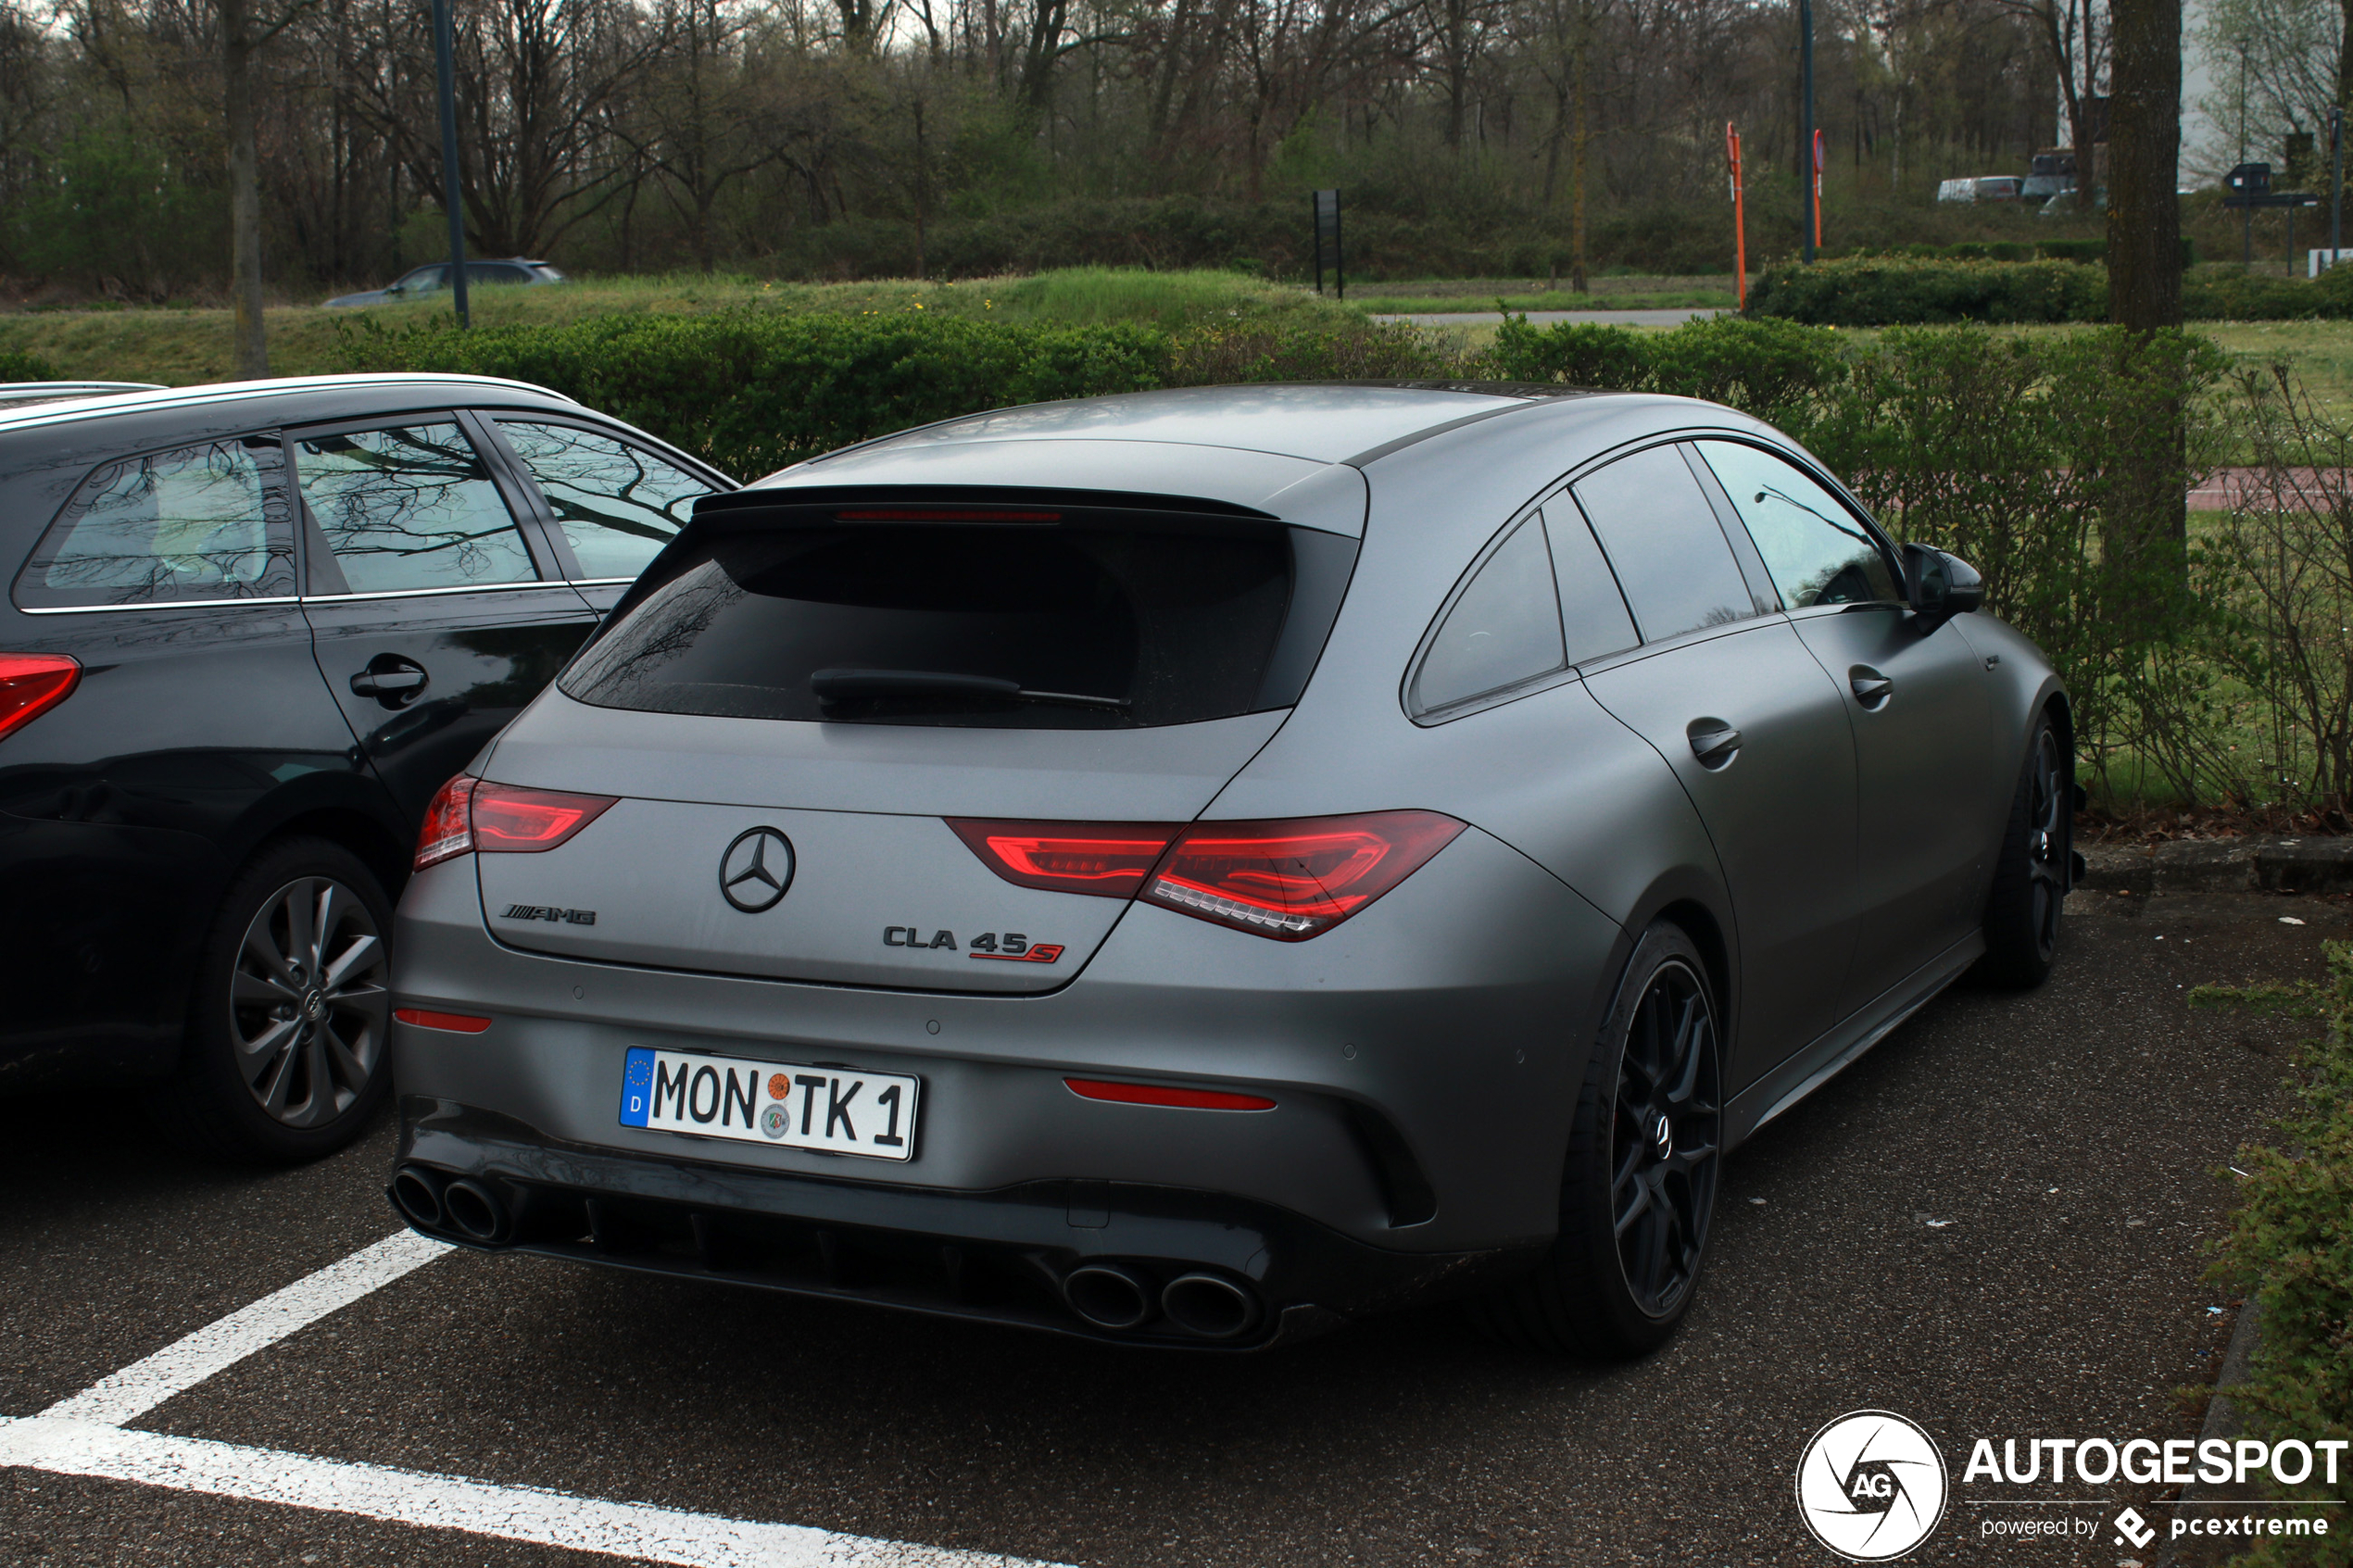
832	1109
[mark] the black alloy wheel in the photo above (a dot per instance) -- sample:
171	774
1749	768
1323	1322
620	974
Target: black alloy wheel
2033	867
1665	1140
1644	1165
287	1051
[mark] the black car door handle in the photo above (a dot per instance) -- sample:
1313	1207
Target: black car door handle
391	680
1871	688
1712	742
371	682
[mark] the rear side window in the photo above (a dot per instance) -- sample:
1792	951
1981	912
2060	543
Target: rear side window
201	522
1670	555
1503	628
1593	611
1061	627
617	504
409	508
1815	551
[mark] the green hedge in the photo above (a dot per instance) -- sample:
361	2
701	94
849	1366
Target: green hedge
18	366
750	393
1884	291
2291	1249
1772	368
1881	291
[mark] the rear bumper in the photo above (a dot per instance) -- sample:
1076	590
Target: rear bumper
1424	1058
1001	1256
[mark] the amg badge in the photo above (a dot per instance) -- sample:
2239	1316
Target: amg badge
559	917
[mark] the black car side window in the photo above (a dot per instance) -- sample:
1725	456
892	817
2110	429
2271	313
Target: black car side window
410	507
1670	552
1815	551
618	505
1503	628
199	523
1593	612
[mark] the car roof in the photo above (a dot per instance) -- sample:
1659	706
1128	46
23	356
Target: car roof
1320	421
161	399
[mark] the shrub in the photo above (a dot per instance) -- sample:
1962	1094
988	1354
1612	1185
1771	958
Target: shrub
1772	368
2290	1248
1875	291
16	365
751	392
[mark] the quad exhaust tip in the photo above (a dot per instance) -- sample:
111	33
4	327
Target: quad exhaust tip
1209	1305
473	1210
1108	1295
415	1193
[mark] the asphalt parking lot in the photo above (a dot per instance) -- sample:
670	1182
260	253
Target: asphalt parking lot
1993	1224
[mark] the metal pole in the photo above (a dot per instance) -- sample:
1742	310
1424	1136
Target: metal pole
452	196
1315	234
1806	122
2337	180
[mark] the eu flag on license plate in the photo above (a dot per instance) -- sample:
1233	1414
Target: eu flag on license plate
636	1086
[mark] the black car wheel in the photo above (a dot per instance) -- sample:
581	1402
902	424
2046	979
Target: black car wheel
286	1056
1639	1188
2031	875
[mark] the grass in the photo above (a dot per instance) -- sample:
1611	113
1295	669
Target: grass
182	347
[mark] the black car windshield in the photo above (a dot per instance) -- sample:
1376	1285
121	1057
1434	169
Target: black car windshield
957	625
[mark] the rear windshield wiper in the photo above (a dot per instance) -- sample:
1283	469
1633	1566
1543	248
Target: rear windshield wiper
848	686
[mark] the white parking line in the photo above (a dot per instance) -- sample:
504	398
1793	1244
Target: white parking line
82	1436
184	1363
450	1502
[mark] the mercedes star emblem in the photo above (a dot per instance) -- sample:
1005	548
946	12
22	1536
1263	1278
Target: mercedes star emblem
756	870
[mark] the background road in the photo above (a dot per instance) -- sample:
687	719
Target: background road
2069	1136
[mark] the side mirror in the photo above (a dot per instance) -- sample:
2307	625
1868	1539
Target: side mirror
1940	585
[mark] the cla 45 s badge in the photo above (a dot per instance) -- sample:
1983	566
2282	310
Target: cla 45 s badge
1011	948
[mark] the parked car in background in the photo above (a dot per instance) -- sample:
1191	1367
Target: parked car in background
250	630
1982	188
419	283
1196	867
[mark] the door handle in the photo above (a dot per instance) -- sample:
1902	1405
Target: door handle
1871	688
1712	742
391	680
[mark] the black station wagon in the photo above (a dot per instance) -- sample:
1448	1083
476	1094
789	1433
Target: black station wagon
250	630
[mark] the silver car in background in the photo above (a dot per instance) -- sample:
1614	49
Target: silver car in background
1197	867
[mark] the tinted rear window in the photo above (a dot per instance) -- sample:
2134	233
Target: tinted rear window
1177	627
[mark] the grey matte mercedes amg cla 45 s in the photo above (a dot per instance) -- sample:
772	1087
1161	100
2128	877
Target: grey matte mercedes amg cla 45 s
1197	867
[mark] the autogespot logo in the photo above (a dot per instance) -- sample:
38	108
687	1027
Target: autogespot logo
1872	1485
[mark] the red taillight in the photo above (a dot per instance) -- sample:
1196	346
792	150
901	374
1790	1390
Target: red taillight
1108	858
1162	1094
525	822
1297	879
455	1022
30	684
448	832
1288	880
472	814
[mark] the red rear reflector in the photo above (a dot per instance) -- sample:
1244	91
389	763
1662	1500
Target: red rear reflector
1294	879
32	683
942	514
525	821
1160	1094
455	1023
472	814
1108	858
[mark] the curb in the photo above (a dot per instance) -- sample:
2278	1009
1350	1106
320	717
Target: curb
2222	865
2222	1418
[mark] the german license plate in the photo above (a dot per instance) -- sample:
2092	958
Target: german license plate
831	1109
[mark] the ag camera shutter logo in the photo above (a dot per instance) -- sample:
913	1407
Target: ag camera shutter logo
1872	1485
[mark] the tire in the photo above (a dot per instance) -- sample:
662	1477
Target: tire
1635	1211
278	1066
2030	868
